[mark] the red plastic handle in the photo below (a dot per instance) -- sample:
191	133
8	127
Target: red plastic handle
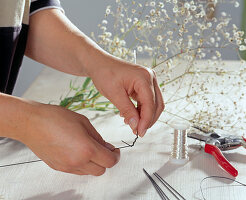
223	162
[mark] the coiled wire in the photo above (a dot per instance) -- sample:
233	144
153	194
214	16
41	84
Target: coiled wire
180	146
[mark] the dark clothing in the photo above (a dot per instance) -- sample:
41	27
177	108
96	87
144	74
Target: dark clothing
14	20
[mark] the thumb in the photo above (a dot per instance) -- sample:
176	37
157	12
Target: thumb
127	109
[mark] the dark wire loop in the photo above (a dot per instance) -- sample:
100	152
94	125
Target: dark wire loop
127	144
221	177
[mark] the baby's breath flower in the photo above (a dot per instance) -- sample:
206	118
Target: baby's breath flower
140	48
104	28
218	54
170	33
152	11
193	7
159	38
209	24
108	11
238	42
161	4
175	9
104	21
186	21
108	34
122	42
135	20
153	19
223	14
152	3
187	5
169	41
242	47
227	35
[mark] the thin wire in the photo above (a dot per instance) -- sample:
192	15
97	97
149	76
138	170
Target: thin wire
127	144
20	163
169	187
157	188
33	161
221	177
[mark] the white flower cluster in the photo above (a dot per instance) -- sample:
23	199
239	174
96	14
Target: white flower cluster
174	33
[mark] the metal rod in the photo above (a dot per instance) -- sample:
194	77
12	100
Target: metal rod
157	188
169	187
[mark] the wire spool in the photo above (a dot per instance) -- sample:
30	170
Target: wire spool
179	154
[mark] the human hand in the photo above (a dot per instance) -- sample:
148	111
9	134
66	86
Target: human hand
69	50
66	141
119	81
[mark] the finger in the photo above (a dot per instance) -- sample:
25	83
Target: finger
159	101
146	99
103	156
77	172
65	169
92	169
95	135
92	131
127	109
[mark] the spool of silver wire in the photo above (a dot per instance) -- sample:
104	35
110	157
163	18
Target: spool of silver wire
179	154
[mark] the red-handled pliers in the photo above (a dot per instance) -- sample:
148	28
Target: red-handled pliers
215	143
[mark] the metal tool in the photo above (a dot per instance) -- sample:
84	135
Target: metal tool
215	143
162	195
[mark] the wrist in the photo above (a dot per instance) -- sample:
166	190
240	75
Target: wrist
16	115
91	57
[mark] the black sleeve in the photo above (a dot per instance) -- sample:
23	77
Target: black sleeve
37	5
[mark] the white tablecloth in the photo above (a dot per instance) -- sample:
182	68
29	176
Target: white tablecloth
126	180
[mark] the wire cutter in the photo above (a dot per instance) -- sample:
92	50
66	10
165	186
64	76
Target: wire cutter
215	143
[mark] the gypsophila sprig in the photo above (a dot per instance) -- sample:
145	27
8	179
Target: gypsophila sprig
184	40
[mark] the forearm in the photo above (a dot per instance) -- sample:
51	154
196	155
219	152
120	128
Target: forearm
54	41
15	115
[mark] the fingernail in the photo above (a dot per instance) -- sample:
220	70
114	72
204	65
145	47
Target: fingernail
133	123
143	133
109	146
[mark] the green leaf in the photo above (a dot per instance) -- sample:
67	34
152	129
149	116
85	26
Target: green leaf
103	103
95	95
98	109
88	96
65	101
86	83
72	87
78	98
